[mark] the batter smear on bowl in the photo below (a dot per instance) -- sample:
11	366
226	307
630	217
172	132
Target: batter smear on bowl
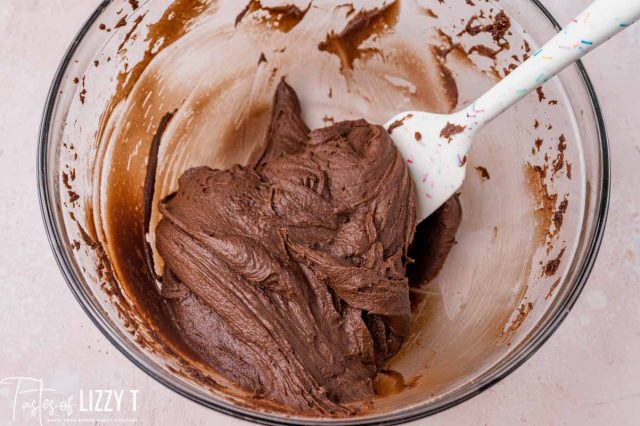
288	276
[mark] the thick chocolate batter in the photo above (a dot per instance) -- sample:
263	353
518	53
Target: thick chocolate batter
289	276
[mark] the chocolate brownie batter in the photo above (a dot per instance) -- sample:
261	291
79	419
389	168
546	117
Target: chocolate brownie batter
288	276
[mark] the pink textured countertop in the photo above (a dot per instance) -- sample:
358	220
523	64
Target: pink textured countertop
587	373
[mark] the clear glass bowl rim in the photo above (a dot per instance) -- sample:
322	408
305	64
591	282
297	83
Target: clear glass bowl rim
56	242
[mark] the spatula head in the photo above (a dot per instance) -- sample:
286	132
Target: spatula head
435	148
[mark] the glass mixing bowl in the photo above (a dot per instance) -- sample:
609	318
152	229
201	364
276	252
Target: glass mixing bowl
535	200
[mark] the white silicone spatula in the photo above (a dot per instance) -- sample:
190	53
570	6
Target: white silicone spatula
435	146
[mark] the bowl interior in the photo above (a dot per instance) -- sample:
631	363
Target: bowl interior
534	199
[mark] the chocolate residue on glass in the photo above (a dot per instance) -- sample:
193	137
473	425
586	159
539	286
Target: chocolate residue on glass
121	23
523	311
527	49
552	266
538	144
558	216
83	92
559	162
65	181
366	24
485	51
390	382
283	18
131	31
149	184
440	53
549	217
552	289
483	172
429	12
536	176
173	24
498	29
